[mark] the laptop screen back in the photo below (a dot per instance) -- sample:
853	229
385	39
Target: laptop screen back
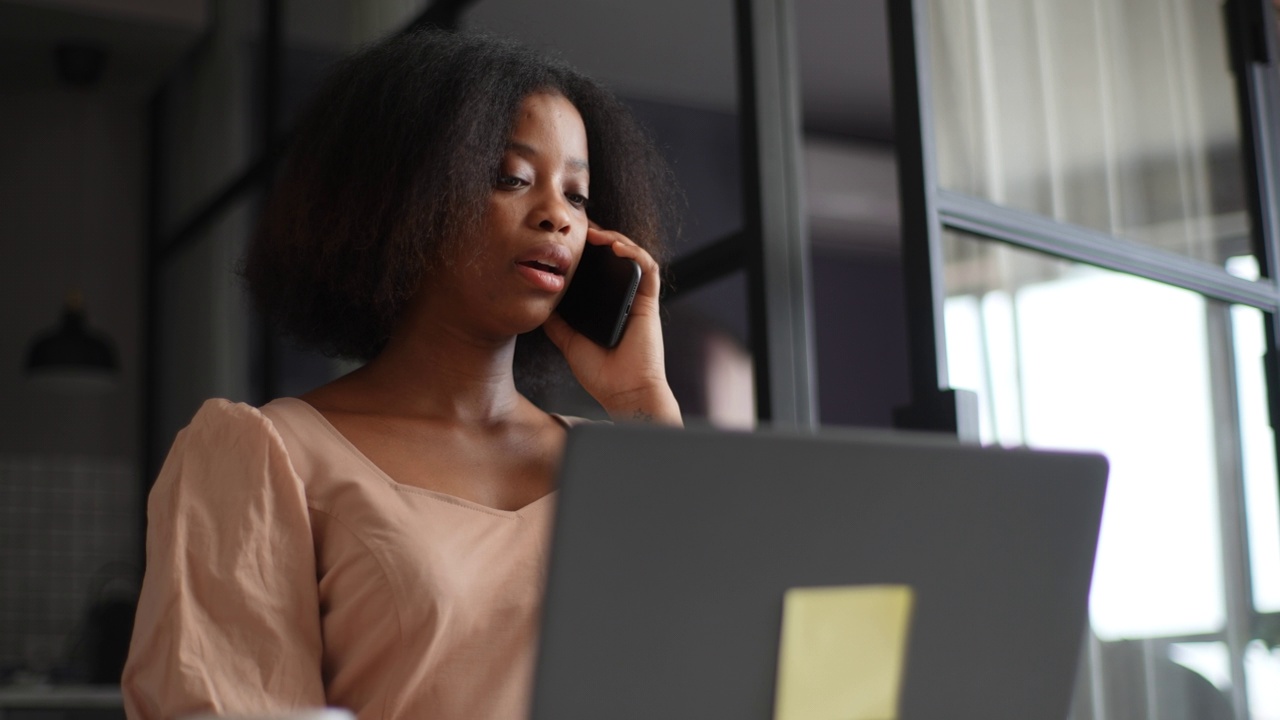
673	549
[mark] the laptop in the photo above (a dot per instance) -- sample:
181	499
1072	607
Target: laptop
673	550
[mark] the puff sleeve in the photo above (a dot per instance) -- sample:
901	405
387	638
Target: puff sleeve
228	619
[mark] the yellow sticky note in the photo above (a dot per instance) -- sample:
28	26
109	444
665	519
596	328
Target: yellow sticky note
842	653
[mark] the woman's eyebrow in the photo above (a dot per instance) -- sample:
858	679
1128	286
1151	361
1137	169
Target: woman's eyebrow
528	151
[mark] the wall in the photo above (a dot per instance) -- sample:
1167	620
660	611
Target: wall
71	216
860	338
207	140
190	14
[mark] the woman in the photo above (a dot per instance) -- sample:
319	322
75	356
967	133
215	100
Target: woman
380	542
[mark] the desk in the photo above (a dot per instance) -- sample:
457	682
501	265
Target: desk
61	702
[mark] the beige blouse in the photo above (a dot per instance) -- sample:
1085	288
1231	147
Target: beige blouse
285	570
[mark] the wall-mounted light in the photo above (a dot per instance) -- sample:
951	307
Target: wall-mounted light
73	353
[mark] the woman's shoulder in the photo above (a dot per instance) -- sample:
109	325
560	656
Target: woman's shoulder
229	450
223	431
226	426
219	417
222	415
300	424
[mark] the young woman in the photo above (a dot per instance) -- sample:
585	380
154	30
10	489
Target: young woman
379	543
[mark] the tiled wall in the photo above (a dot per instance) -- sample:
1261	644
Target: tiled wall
68	538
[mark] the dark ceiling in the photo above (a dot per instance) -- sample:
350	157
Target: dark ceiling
683	52
676	51
844	68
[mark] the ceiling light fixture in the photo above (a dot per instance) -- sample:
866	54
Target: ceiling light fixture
72	355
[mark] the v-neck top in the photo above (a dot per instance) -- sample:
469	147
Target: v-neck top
286	570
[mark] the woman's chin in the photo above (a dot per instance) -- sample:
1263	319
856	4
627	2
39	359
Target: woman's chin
512	318
537	314
528	322
535	325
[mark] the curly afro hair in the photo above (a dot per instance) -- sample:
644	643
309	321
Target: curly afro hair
390	170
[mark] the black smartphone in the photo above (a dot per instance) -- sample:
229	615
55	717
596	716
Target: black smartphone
599	297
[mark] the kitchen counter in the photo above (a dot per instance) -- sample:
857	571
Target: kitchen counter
59	702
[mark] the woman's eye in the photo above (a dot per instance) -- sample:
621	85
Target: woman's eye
510	181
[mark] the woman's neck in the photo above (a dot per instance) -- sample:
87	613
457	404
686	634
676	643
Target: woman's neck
449	380
434	372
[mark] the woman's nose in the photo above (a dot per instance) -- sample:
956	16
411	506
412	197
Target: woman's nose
553	214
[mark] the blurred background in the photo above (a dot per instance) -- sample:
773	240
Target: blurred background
1101	279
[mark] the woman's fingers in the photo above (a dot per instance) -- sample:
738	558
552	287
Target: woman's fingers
623	246
629	381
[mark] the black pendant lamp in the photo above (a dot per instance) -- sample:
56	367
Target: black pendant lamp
73	351
72	355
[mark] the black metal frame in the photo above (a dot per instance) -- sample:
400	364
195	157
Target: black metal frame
705	265
934	405
927	210
163	247
150	315
1075	243
268	122
1255	53
771	248
777	247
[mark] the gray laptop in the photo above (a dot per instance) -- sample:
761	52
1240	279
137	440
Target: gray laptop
672	551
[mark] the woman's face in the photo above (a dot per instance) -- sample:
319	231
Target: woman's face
535	224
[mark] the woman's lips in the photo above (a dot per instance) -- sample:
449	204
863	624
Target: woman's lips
543	277
545	266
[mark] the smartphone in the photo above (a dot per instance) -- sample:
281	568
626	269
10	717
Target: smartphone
599	297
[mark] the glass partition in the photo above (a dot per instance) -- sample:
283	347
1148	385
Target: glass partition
208	136
1116	116
1170	386
1262	658
203	325
709	361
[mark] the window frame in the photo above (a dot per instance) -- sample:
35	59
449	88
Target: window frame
928	210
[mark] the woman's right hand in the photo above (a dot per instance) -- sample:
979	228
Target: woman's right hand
630	380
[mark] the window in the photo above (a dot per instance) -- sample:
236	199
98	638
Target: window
1095	232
